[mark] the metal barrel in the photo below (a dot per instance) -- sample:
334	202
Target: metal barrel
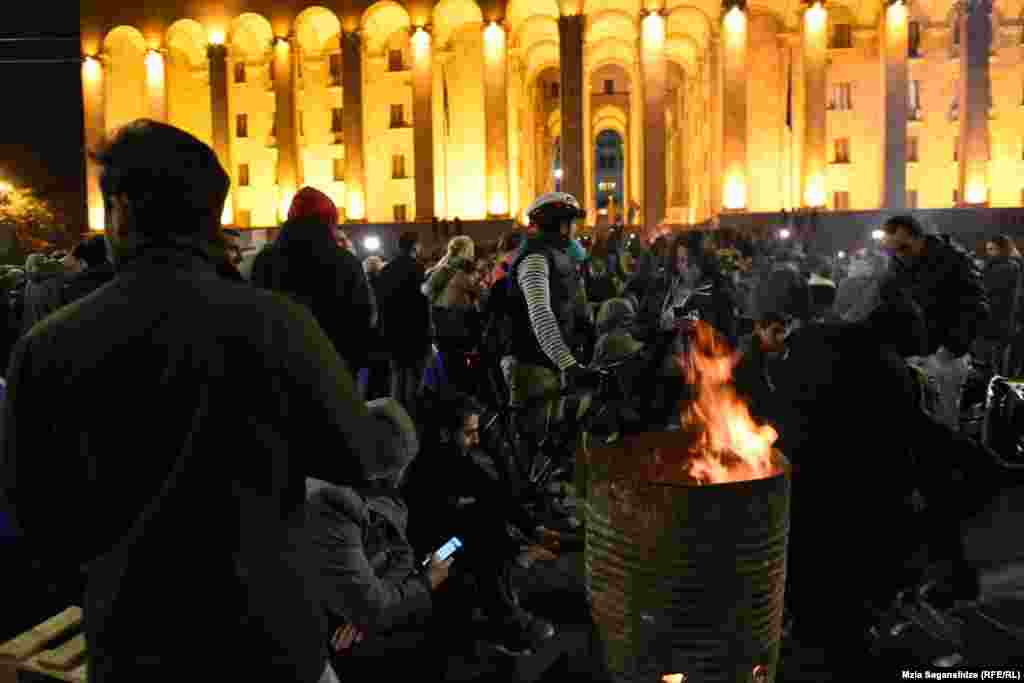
684	579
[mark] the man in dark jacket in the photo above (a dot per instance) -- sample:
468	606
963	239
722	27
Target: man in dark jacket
175	417
307	264
945	282
943	279
405	320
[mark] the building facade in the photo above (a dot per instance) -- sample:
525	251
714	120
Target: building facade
405	111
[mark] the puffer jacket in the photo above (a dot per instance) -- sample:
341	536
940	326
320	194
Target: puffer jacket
948	286
366	563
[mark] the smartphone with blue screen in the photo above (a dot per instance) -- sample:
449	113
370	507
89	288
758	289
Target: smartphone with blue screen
447	550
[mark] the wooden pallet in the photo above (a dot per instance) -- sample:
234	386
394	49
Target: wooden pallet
31	651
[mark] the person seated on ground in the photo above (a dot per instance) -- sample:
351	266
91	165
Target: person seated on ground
377	596
456	489
758	354
375	589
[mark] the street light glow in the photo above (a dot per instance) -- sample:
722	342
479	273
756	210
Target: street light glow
877	235
842	254
558	174
784	234
371	243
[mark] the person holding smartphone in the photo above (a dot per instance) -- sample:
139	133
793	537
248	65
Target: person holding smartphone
379	597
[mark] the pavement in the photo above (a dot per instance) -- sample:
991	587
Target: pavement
992	629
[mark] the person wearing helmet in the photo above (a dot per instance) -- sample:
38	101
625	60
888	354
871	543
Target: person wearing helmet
549	303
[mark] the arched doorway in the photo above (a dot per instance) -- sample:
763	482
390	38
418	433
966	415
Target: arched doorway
609	176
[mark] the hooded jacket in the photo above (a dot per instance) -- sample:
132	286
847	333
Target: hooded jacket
367	566
179	469
307	265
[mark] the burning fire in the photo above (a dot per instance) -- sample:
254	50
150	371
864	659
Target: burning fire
728	445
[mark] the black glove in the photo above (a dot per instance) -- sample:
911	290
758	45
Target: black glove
580	377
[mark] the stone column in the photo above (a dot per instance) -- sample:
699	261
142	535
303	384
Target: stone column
975	99
289	173
93	76
156	85
655	80
352	115
892	38
735	190
815	56
570	41
714	125
217	55
423	122
496	118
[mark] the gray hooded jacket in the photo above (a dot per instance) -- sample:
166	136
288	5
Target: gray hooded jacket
368	568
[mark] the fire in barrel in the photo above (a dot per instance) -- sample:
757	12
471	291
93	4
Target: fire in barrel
686	537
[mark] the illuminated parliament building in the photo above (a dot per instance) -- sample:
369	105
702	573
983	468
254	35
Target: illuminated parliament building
679	110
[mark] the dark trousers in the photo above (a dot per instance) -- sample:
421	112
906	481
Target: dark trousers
406	378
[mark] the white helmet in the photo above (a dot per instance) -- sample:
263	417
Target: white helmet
554	208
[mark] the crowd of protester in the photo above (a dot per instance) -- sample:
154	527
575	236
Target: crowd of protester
269	445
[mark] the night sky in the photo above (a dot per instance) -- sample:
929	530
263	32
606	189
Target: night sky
41	112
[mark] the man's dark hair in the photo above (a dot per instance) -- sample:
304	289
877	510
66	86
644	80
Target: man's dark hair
173	181
907	222
407	241
92	251
231	232
771	318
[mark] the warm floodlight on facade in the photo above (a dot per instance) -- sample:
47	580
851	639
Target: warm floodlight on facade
896	15
421	43
653	28
735	20
154	65
91	69
976	192
816	18
217	36
814	195
735	194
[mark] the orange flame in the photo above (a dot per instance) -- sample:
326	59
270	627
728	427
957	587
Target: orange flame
729	444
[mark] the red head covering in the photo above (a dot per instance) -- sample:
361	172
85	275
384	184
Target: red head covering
312	203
